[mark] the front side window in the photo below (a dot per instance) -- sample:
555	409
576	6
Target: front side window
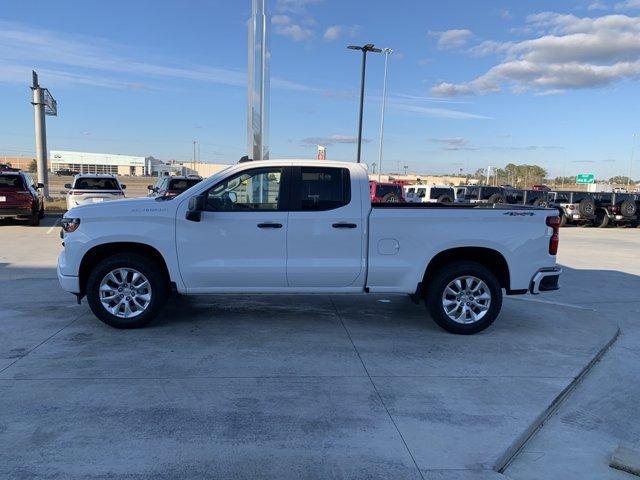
252	190
324	188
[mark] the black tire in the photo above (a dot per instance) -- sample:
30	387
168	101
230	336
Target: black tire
391	198
439	282
496	198
628	208
41	212
149	268
444	199
586	207
602	219
34	219
563	220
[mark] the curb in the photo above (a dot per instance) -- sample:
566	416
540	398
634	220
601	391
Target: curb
505	459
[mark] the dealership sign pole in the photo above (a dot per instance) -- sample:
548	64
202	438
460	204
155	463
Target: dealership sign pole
43	104
258	85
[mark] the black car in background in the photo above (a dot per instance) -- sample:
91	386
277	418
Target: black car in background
615	209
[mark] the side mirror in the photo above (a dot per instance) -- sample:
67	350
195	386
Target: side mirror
150	187
40	185
67	186
123	186
195	208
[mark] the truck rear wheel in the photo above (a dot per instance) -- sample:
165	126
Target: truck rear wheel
126	290
464	297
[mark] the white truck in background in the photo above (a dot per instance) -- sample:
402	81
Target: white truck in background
300	226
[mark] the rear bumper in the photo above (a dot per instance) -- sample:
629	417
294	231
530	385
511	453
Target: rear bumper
15	212
545	280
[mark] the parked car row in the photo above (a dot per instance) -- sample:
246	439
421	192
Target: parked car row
580	208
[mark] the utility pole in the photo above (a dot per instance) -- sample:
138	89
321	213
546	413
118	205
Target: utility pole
633	147
43	104
387	52
364	49
488	174
193	162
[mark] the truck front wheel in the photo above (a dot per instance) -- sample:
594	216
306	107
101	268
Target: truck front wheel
126	290
463	297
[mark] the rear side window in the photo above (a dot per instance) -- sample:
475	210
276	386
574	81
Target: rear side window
436	192
11	182
383	190
96	184
324	188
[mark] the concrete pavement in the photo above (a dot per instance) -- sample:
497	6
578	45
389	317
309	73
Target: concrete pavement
270	387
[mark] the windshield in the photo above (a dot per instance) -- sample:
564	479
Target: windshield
11	182
88	183
183	184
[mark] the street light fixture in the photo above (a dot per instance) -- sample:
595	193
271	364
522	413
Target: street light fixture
369	47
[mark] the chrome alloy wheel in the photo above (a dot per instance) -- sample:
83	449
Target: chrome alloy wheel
466	299
125	292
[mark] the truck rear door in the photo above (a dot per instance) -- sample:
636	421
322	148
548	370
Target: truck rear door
325	234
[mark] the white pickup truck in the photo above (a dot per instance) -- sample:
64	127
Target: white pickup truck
302	226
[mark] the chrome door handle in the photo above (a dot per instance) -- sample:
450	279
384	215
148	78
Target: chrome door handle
344	225
269	225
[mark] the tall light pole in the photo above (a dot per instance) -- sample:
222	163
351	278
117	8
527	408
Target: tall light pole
633	147
387	52
364	49
488	173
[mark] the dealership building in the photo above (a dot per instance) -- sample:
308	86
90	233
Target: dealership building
85	162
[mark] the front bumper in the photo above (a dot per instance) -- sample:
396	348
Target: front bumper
545	280
68	283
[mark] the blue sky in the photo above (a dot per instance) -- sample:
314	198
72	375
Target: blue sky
470	83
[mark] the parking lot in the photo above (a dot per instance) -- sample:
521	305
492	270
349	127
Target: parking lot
316	386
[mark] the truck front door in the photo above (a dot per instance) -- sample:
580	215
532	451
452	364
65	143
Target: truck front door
240	241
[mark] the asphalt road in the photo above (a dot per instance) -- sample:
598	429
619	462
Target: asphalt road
302	386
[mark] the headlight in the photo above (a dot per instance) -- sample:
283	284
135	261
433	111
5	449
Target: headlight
70	225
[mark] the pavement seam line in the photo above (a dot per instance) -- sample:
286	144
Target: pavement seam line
375	389
521	441
41	343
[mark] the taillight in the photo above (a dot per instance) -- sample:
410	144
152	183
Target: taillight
72	192
615	208
554	240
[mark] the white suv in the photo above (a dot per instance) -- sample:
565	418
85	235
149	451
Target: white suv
428	194
93	188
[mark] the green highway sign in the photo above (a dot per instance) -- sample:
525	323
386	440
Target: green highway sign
585	178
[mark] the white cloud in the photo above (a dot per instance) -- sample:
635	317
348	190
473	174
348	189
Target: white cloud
451	39
597	5
281	20
452	142
627	5
571	53
332	33
295	6
295	31
81	60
